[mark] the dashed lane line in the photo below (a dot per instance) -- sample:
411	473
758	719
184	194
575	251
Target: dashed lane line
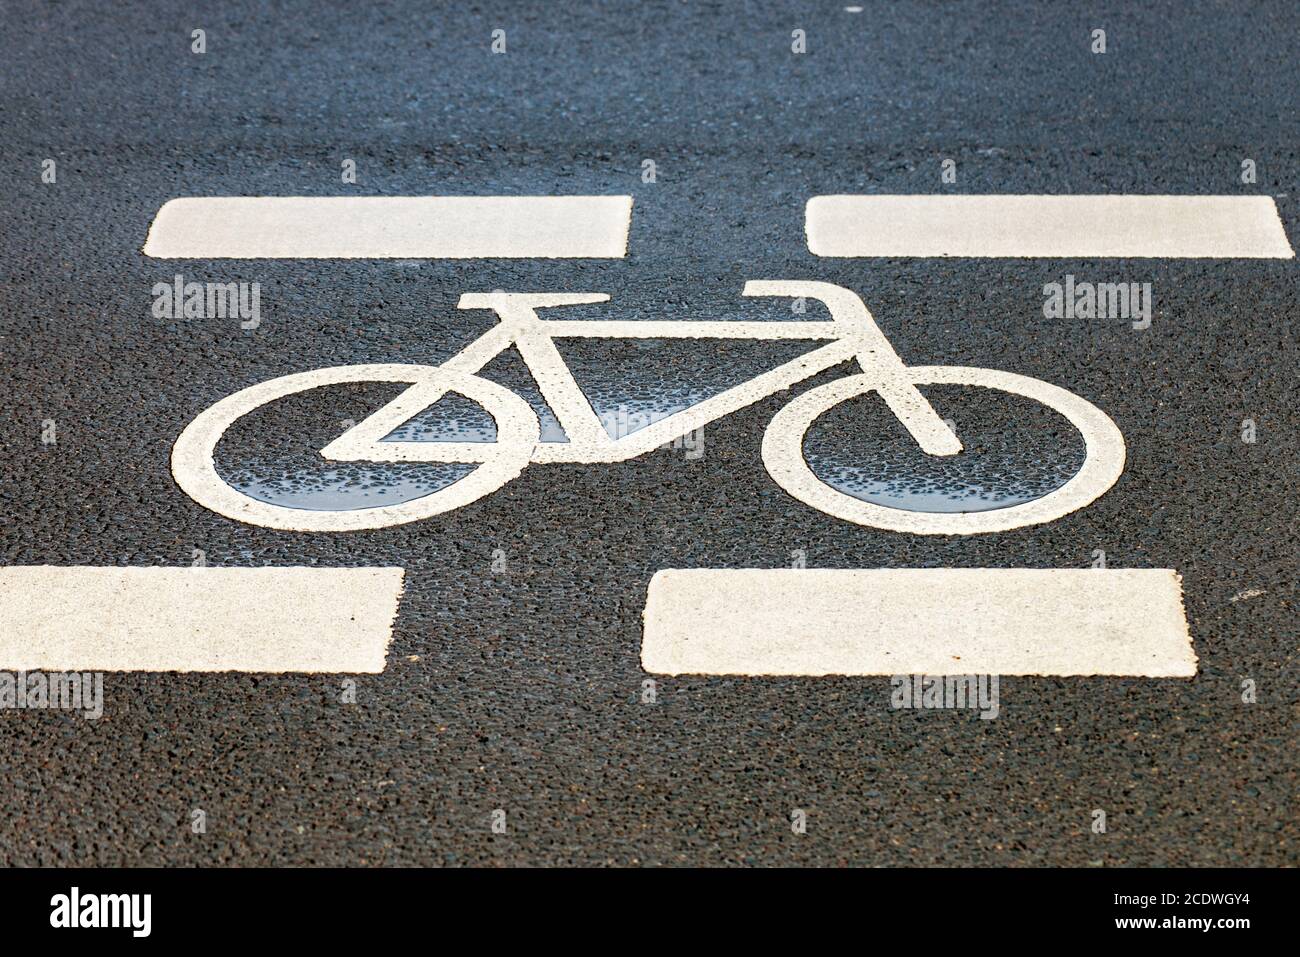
391	227
929	621
82	618
1197	227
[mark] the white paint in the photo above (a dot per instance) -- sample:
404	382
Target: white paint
931	621
1103	457
196	619
391	227
517	435
851	334
1214	227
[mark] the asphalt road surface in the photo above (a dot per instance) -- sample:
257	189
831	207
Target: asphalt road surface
514	681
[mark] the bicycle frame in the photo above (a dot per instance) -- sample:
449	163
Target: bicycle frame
850	333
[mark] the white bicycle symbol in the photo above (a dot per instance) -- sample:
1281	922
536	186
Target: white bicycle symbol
851	333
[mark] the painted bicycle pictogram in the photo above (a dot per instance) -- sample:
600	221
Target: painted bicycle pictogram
850	334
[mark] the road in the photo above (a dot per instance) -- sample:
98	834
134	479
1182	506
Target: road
514	682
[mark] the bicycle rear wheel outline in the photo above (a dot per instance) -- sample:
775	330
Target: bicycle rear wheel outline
1102	465
195	471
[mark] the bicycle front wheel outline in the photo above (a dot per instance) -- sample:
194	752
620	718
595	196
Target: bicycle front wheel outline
1103	459
194	468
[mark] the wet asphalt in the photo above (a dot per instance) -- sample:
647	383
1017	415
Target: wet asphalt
514	680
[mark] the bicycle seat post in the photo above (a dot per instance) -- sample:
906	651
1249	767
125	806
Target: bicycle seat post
518	314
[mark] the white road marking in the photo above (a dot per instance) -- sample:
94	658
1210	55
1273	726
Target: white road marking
853	334
391	227
195	471
1197	227
932	621
81	618
1104	455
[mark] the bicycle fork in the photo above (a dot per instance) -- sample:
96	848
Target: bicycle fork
881	365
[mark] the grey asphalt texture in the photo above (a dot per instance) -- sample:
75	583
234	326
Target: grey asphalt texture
522	689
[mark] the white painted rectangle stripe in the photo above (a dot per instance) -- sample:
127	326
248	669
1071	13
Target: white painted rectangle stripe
1195	227
391	227
82	618
931	621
